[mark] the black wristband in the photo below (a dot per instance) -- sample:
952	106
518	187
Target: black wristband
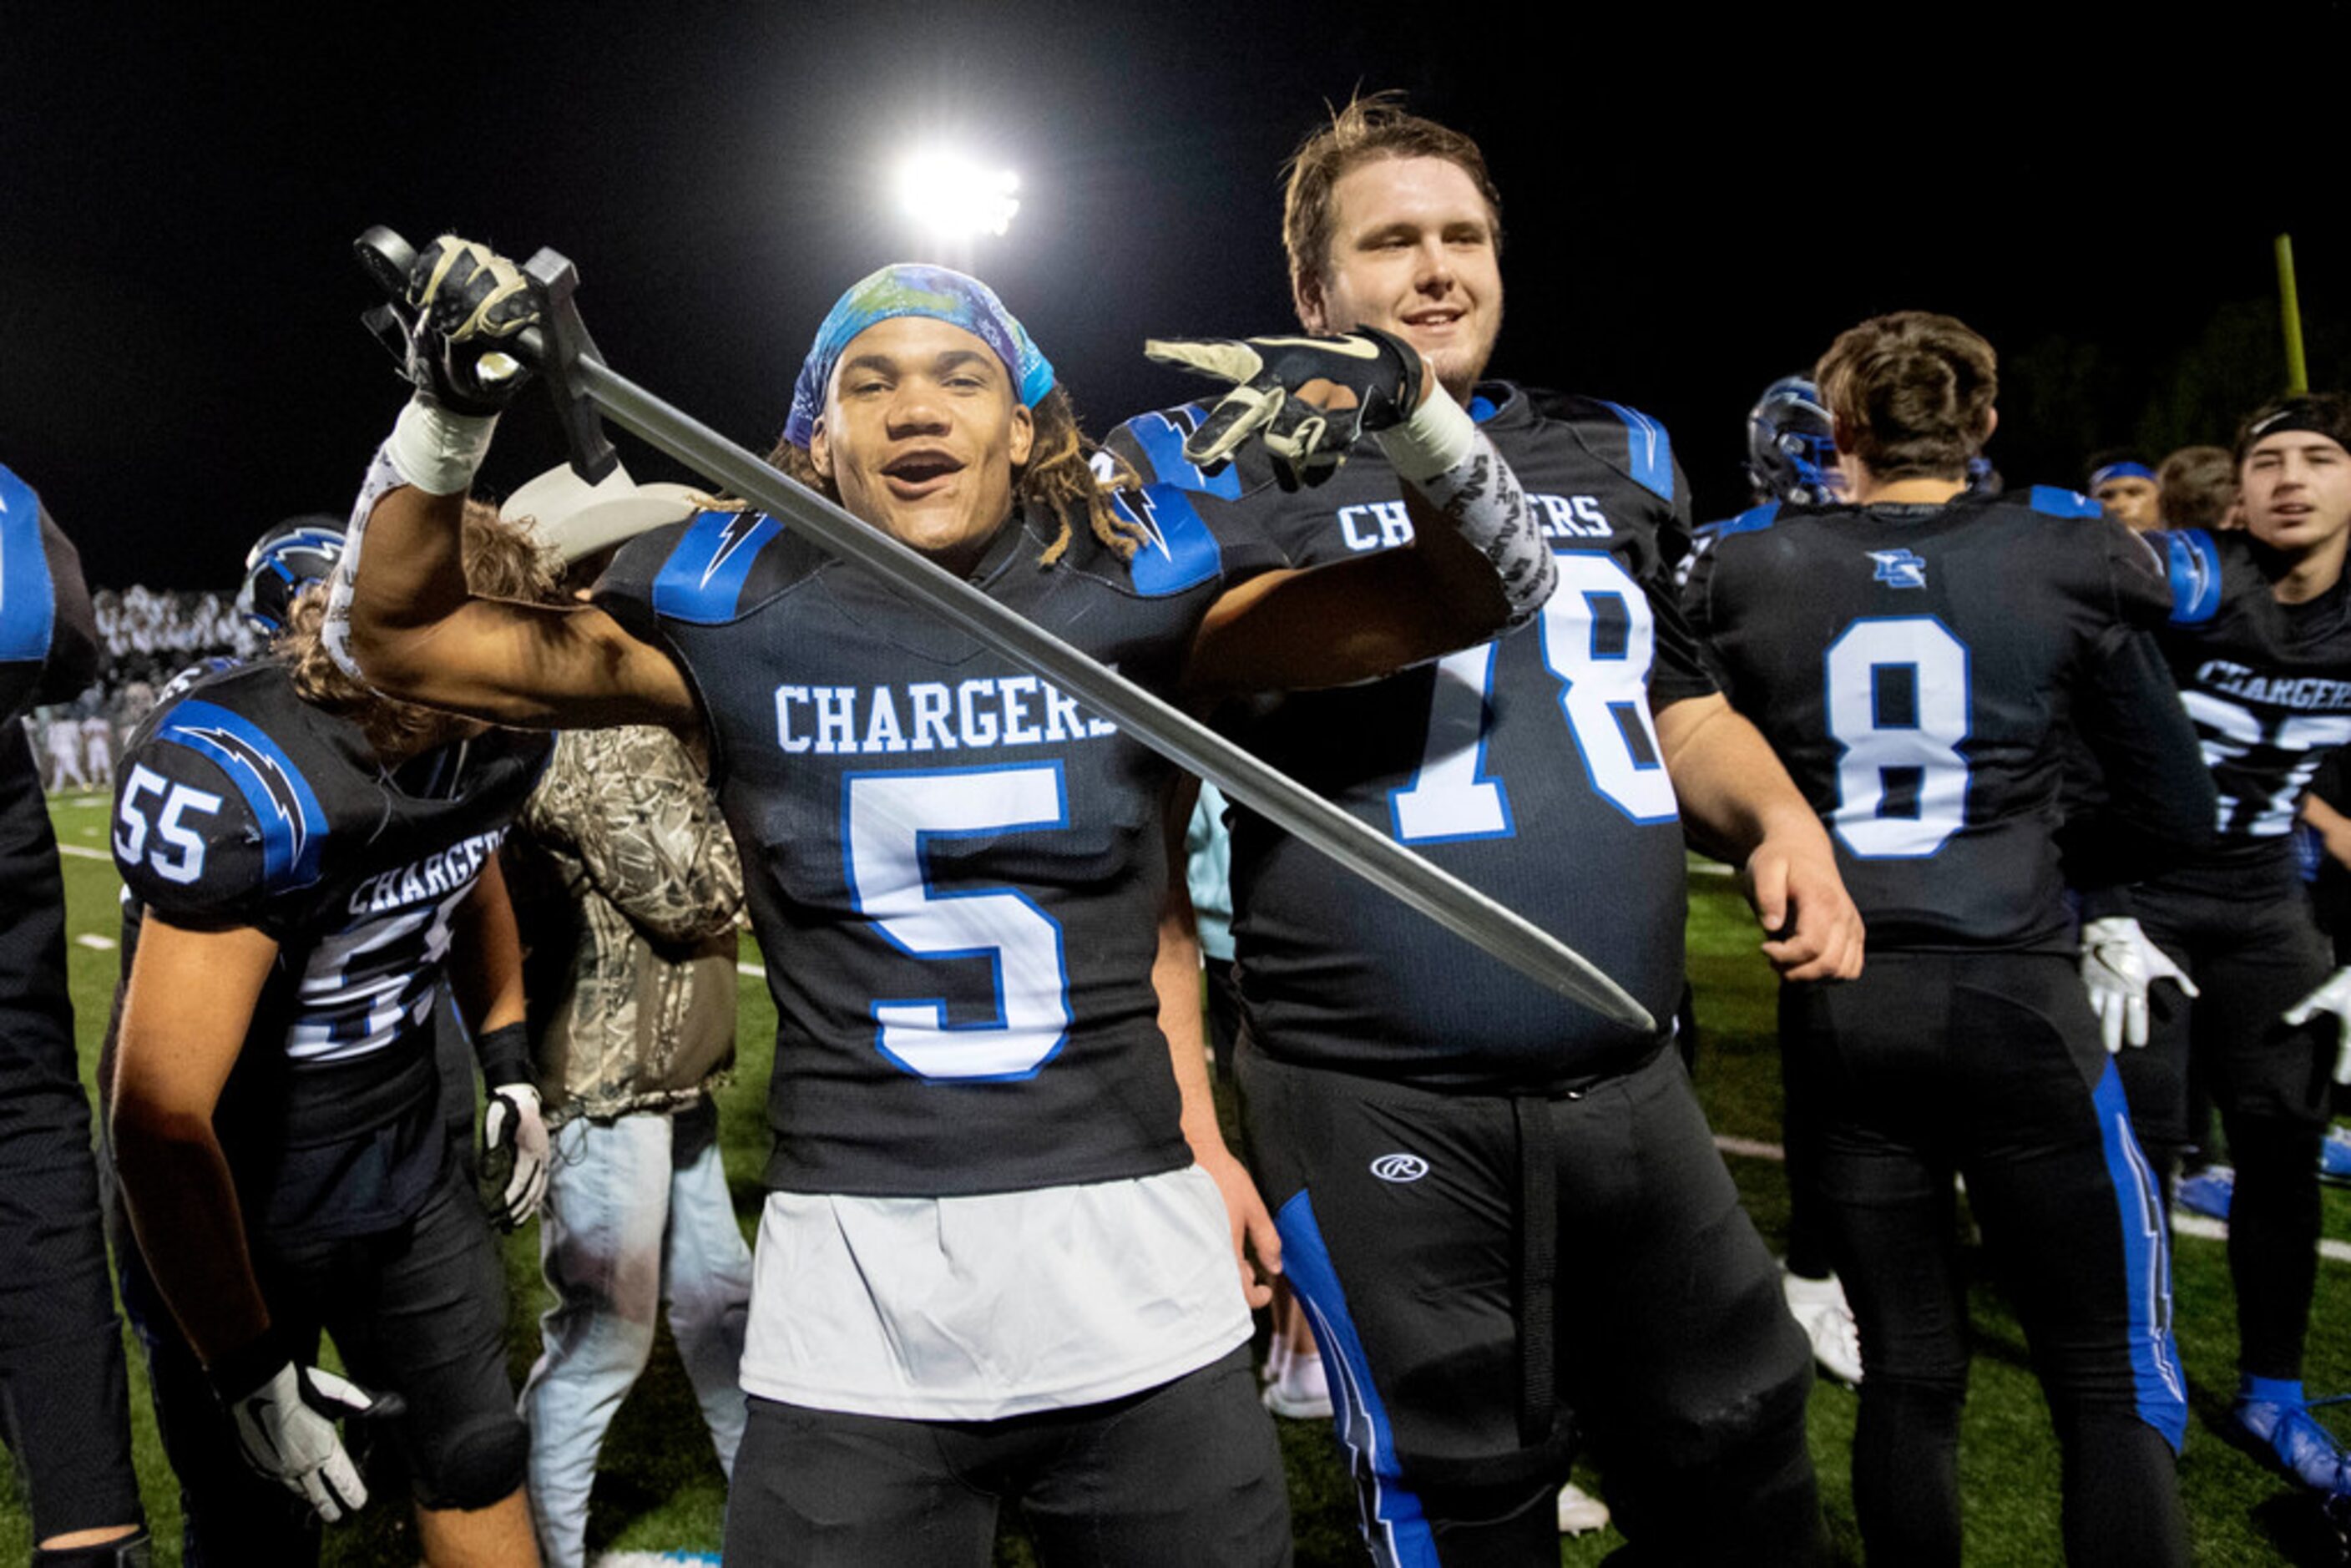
505	1055
250	1365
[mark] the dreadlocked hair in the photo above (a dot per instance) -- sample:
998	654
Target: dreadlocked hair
1067	476
501	562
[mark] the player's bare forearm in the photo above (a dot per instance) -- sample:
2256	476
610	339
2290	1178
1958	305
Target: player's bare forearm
417	634
184	1015
2333	828
485	958
1740	802
1350	621
183	1205
1176	977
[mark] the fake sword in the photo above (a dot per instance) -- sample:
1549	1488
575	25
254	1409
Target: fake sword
584	387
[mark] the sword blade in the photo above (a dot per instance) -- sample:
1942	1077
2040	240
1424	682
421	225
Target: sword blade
1169	731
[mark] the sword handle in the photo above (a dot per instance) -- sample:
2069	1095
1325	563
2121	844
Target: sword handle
554	348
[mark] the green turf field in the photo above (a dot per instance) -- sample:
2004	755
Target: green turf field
661	1489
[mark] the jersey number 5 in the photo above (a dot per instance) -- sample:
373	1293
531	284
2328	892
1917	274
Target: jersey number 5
891	819
131	832
1598	636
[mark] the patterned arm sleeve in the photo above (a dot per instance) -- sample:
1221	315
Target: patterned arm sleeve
631	804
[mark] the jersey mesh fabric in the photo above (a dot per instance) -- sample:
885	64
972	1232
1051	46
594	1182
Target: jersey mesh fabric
1500	763
241	805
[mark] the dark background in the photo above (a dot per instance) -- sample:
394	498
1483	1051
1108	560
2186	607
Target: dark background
1692	207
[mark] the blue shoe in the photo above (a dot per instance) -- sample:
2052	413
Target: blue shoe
2297	1444
2334	1156
2207	1192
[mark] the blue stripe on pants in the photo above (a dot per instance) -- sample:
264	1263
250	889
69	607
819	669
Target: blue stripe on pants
2147	1256
1394	1527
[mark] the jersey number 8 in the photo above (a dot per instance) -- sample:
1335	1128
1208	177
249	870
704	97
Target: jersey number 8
1898	701
1603	696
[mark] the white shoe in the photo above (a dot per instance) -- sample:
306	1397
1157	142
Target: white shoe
1297	1387
1579	1511
1820	1309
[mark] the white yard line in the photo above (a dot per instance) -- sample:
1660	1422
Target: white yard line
85	852
92	939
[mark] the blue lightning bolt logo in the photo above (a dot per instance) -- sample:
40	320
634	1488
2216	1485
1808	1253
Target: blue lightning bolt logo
289	814
740	530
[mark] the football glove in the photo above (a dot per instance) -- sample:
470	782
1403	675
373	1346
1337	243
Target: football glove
2118	964
1306	440
460	311
286	1431
2333	996
515	1155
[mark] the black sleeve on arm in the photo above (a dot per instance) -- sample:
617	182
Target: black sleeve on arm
73	633
1696	603
2159	806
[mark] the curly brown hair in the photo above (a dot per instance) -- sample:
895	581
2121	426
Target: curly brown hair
501	562
1911	393
1067	476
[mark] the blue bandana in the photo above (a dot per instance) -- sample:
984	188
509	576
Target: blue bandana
2126	469
909	288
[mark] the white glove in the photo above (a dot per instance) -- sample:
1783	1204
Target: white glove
2333	996
286	1429
515	1155
2118	964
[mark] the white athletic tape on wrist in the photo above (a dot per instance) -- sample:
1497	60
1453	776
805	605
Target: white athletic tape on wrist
437	451
1481	498
1437	437
433	450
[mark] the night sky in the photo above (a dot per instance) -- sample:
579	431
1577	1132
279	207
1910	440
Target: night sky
1689	211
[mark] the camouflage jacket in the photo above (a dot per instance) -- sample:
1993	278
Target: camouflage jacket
625	884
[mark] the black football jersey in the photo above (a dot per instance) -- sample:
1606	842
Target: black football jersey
49	636
954	870
1917	668
241	805
1527	765
2267	687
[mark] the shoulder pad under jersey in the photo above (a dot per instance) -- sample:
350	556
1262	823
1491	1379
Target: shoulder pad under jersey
1180	551
2052	500
214	818
1755	519
1650	452
1154	442
2193	563
27	597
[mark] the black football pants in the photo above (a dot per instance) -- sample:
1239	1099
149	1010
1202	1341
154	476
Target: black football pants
1488	1275
1991	1067
1184	1474
65	1408
2251	959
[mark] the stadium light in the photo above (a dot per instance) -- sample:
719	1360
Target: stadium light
955	198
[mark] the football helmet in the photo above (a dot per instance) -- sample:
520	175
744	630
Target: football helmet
1790	455
283	561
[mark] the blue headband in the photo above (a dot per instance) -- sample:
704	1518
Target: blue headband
908	289
2123	470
